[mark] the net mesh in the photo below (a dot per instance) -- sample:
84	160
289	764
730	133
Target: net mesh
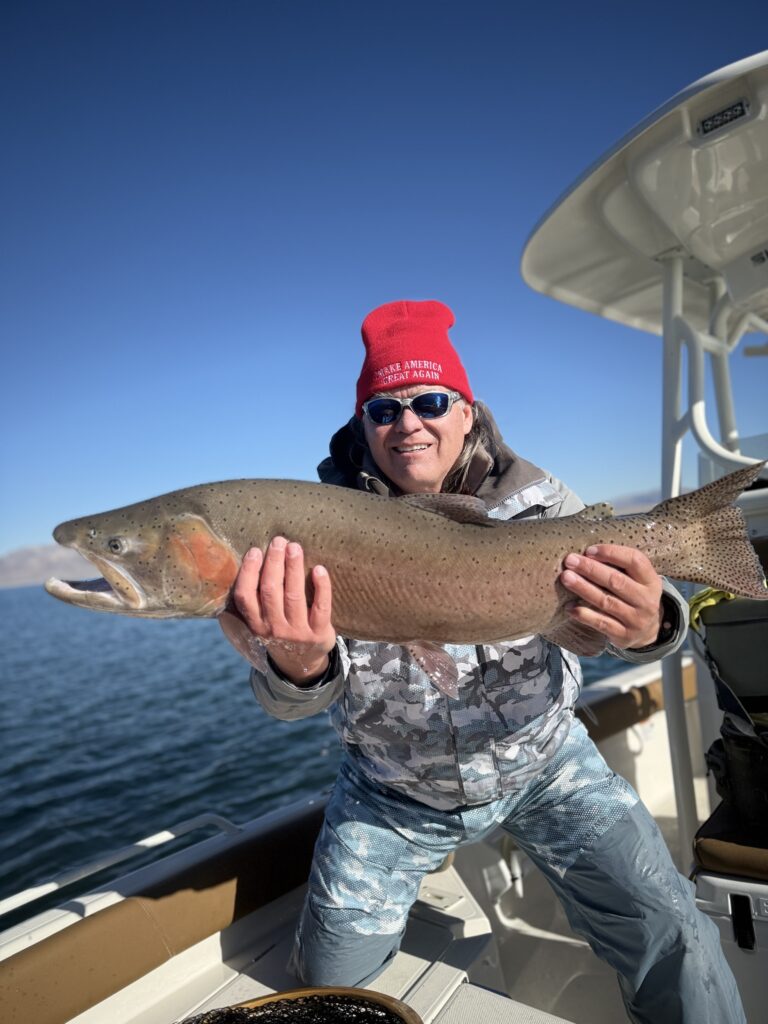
313	1009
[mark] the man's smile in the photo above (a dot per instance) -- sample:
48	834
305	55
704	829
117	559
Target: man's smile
405	449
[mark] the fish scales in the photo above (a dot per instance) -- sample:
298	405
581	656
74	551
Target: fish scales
426	567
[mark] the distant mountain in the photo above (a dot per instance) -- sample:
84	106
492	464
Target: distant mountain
641	501
26	567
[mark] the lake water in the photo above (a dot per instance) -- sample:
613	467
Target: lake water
114	728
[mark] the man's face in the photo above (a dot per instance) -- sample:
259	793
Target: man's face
417	454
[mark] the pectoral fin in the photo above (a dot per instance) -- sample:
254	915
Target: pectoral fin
578	639
438	665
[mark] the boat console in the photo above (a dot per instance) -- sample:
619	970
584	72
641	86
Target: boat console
668	233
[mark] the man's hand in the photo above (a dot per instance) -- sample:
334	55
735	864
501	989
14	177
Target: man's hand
620	594
270	597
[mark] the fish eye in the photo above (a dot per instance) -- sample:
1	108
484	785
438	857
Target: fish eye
115	545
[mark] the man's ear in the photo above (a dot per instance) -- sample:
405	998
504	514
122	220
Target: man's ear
469	417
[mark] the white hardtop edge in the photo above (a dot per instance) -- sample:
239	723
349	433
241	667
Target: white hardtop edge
690	179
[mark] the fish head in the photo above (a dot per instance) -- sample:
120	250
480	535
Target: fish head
153	562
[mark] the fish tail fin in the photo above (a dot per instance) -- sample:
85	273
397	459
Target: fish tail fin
714	544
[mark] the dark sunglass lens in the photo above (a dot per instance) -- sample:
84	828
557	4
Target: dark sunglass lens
431	404
383	410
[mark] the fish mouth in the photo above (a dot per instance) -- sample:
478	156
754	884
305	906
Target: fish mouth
115	591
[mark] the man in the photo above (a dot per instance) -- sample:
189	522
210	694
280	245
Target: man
422	771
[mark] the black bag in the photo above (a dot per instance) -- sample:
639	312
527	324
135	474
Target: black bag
739	765
739	759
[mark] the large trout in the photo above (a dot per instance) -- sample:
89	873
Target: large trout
420	570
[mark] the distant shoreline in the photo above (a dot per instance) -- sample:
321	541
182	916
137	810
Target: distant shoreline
32	566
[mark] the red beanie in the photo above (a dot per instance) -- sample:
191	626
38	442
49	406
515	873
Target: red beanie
407	343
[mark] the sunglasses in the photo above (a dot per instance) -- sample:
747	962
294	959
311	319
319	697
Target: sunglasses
430	405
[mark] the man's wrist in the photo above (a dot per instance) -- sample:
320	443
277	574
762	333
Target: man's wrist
668	624
666	630
301	671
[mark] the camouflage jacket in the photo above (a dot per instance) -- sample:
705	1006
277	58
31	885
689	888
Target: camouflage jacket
516	698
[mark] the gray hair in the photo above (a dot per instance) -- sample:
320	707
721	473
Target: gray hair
480	438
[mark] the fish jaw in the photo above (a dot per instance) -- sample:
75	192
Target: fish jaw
114	591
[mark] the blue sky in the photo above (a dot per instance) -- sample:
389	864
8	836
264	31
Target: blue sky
202	200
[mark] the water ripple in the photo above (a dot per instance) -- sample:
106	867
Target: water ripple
114	728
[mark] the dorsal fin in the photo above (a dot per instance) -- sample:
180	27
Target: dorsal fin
601	510
462	508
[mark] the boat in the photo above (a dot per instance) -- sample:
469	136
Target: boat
666	233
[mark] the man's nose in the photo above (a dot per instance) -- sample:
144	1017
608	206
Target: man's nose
408	421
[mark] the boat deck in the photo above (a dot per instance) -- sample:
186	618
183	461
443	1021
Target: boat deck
452	966
213	925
